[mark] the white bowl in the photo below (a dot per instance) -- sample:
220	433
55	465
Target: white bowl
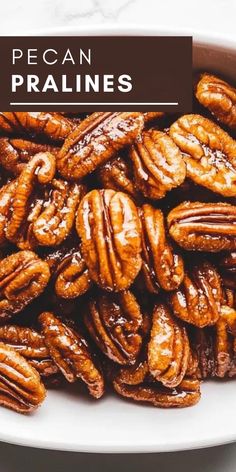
70	420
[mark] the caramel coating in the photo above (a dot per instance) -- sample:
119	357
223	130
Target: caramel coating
72	276
197	226
23	277
70	352
98	138
38	209
198	299
219	97
51	125
20	386
208	151
168	348
16	152
157	163
162	267
116	174
134	383
109	227
115	322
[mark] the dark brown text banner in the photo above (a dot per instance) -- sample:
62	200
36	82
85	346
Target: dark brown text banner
81	73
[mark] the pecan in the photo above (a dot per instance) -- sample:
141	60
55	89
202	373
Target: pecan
133	383
152	115
168	348
6	195
109	227
20	385
158	164
57	216
23	276
41	168
71	354
204	226
51	125
96	140
208	151
72	276
116	174
219	97
198	299
30	344
161	266
216	347
14	153
114	321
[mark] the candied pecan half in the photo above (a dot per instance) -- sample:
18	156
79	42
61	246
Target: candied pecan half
6	195
219	97
161	266
15	152
70	352
96	140
208	151
109	227
152	115
31	345
198	298
134	383
168	348
51	125
23	277
157	163
209	227
72	276
116	174
115	321
20	386
57	215
41	168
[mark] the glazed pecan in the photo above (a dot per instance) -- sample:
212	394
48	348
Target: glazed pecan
6	195
71	276
116	174
209	153
219	97
56	219
198	299
216	347
41	168
168	348
96	140
109	227
15	152
70	352
157	163
161	266
200	226
115	321
152	115
30	344
50	125
20	385
135	384
23	276
34	214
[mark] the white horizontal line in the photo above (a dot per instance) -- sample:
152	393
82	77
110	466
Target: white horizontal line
96	103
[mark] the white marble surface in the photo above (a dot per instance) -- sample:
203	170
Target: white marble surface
22	16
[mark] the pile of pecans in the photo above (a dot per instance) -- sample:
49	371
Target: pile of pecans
118	251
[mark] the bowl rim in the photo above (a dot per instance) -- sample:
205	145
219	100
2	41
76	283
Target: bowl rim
199	37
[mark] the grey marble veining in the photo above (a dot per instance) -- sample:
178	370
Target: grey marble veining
20	16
